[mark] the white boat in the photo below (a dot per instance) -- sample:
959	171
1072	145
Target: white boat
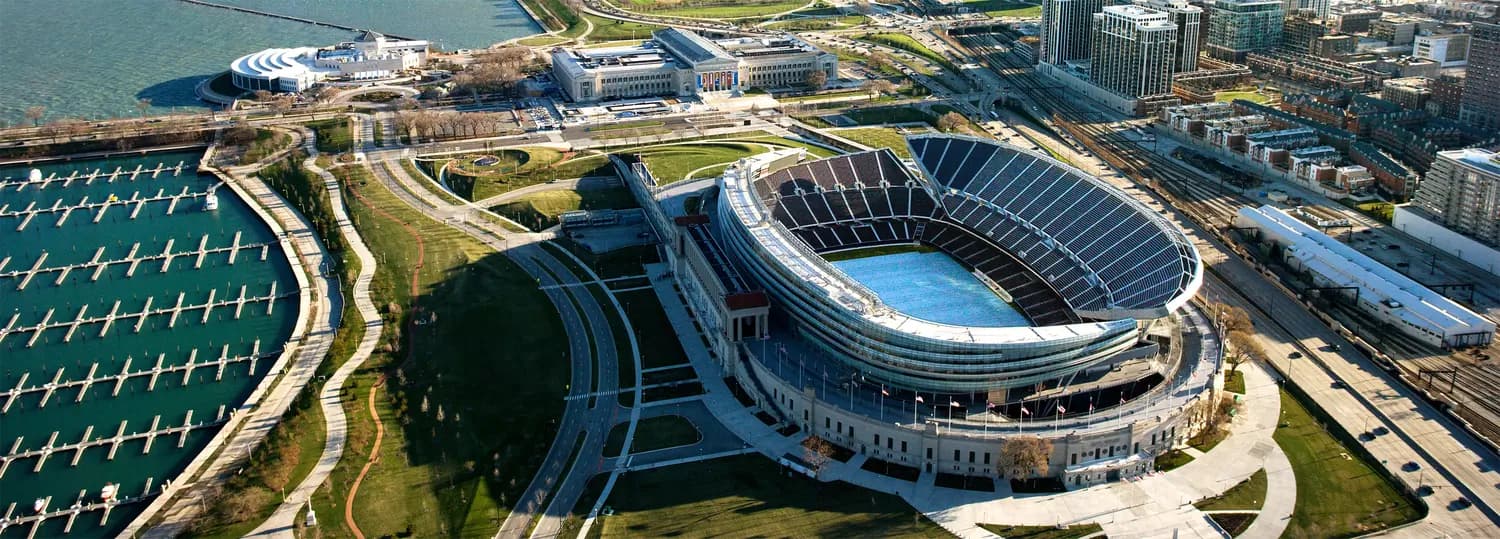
211	202
38	505
107	494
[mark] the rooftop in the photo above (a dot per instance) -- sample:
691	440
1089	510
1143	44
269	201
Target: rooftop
1479	158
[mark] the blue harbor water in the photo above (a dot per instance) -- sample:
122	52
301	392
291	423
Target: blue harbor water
933	287
79	342
96	58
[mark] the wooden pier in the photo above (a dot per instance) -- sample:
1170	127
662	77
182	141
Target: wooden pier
125	374
149	436
36	330
200	254
21	184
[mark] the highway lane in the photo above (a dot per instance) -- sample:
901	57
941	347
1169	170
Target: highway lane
589	326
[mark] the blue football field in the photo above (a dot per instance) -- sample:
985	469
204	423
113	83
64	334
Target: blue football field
934	287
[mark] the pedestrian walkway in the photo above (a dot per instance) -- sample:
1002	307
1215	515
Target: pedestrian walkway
281	523
1156	505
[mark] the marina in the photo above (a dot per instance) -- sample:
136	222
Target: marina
141	308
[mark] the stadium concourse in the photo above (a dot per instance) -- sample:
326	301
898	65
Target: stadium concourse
1062	307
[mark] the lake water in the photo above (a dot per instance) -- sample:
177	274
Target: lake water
96	58
94	349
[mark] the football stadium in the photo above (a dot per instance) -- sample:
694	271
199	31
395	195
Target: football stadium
923	312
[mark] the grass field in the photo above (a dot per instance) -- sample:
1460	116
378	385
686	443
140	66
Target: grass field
1339	494
1172	459
749	496
672	163
881	137
613	29
1248	494
711	9
293	446
878	251
1245	95
266	143
889	115
540	210
658	341
521	167
1004	8
818	23
333	135
653	433
487	355
1043	532
906	43
1382	211
541	41
1234	382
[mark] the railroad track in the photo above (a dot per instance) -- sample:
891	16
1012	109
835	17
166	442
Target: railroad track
1476	387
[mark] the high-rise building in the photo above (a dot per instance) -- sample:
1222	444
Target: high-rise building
1481	97
1238	27
1318	7
1447	49
1188	19
1400	29
1300	29
1355	21
1134	50
1447	95
1065	29
1462	191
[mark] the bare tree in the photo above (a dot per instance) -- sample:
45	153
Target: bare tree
35	114
262	95
950	121
879	60
405	103
1242	347
283	103
817	79
879	86
817	452
1024	456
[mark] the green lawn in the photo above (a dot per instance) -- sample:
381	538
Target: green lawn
1075	531
711	9
1234	382
881	137
1248	494
653	433
818	23
657	339
521	167
1172	459
1339	494
906	43
749	496
541	40
333	135
540	210
672	163
266	143
890	115
456	452
613	29
1004	8
627	125
1381	211
1246	95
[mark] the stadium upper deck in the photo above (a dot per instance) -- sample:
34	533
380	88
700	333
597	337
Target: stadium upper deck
776	223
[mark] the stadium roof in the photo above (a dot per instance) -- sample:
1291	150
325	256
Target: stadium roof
782	247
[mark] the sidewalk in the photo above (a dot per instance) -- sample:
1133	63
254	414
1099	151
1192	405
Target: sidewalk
283	521
1154	506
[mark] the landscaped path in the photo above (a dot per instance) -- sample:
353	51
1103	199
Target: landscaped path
330	398
319	311
374	458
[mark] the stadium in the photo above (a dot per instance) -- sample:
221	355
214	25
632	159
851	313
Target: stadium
978	291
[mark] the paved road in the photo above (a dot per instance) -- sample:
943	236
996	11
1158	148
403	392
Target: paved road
283	521
584	323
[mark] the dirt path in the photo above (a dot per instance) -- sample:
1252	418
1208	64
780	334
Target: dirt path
374	457
411	345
